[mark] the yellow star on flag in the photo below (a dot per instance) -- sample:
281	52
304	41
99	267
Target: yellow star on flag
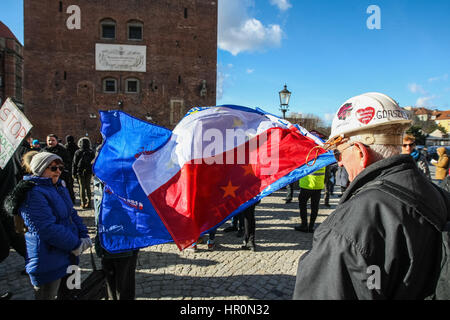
229	190
237	123
248	170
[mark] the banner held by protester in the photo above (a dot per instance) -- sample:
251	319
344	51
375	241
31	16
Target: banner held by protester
215	163
14	126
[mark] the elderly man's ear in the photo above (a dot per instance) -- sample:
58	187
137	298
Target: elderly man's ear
364	155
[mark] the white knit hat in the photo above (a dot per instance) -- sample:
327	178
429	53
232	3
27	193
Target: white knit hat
41	161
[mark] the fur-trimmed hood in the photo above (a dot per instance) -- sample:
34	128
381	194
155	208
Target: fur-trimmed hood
15	199
84	143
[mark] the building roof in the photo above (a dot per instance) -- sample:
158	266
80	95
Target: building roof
6	33
437	133
419	111
443	115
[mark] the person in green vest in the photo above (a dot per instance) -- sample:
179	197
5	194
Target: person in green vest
310	188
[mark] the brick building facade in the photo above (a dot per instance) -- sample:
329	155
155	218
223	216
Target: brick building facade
11	67
153	59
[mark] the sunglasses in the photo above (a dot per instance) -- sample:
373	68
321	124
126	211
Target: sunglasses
409	144
337	154
54	168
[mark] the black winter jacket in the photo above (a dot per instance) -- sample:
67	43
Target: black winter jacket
82	159
61	151
71	147
13	172
372	228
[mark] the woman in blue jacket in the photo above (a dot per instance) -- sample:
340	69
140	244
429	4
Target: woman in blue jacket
55	235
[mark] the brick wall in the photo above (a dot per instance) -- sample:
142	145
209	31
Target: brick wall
62	88
11	70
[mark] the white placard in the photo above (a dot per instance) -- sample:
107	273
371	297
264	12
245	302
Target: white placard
14	126
115	57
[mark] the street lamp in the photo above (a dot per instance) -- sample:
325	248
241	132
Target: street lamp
285	96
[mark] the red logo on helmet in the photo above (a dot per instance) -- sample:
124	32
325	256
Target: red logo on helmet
365	115
345	111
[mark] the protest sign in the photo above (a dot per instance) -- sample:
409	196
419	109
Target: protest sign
14	126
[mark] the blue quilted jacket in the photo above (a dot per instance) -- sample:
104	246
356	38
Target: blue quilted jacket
54	230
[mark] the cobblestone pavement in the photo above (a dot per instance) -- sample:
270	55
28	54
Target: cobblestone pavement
163	272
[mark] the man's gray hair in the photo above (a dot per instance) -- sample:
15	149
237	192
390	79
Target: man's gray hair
380	151
389	145
383	151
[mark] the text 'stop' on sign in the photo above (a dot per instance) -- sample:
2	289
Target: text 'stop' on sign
14	126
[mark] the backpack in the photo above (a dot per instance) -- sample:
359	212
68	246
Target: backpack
442	288
84	165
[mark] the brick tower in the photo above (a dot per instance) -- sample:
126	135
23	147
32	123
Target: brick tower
11	67
153	59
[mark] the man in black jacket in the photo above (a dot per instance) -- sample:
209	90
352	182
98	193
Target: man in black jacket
82	170
384	240
71	147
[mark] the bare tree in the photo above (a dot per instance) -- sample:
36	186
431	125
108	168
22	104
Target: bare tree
310	122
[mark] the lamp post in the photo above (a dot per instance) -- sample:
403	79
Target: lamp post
285	96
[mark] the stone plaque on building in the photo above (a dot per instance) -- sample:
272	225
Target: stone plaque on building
113	57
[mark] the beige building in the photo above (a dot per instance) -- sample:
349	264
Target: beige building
443	119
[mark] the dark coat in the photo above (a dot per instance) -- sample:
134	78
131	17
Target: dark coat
13	171
82	160
71	147
10	176
4	243
373	228
330	174
342	177
61	151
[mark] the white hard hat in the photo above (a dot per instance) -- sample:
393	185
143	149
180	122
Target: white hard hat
367	113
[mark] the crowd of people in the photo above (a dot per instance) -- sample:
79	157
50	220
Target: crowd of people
390	215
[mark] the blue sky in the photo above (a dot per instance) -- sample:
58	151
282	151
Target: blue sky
324	52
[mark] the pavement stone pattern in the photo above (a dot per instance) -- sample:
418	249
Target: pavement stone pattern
227	273
164	272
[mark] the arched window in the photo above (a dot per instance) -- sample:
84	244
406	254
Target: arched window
135	30
109	85
132	85
108	29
